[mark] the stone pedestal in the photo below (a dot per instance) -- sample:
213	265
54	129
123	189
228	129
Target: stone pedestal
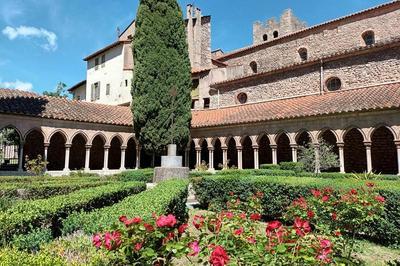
171	166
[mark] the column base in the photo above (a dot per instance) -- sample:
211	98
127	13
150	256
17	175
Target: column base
122	169
105	169
86	170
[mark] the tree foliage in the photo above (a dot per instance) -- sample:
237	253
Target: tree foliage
8	136
60	91
327	157
162	80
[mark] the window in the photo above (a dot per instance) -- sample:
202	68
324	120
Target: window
78	97
254	67
276	34
95	93
103	60
206	103
108	89
333	84
303	54
369	37
265	37
126	83
195	83
194	103
96	63
242	98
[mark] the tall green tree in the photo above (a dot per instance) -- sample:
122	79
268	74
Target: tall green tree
60	91
162	78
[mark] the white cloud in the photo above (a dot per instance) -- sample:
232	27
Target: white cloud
32	32
20	85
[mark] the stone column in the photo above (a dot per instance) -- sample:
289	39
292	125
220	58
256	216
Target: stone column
87	158
67	150
106	149
240	157
198	156
274	154
187	157
256	157
369	157
210	158
294	152
341	157
123	152
21	157
138	149
225	157
398	156
317	158
46	151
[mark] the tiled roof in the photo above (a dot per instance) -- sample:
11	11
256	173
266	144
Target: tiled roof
31	104
257	46
355	100
363	99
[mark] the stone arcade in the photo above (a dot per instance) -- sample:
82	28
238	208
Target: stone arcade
338	81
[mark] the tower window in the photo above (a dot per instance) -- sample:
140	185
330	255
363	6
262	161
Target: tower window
206	103
276	34
333	84
254	67
369	37
303	54
265	37
242	98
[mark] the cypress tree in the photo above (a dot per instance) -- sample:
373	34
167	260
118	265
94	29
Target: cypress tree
162	78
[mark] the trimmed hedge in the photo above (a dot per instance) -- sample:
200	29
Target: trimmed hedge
270	166
12	257
280	192
166	197
142	175
45	190
26	215
47	178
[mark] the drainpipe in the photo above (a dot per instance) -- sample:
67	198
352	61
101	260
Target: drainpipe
321	88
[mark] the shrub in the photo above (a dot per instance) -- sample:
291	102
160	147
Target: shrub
280	192
292	166
142	175
199	173
166	197
327	157
32	240
12	257
270	166
35	166
30	214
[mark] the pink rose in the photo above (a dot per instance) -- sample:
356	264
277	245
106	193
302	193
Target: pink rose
239	231
97	241
219	257
194	246
166	221
112	240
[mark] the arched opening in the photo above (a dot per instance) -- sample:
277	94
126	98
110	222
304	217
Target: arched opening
303	140
130	156
265	37
329	138
204	154
265	151
218	155
276	34
192	155
34	145
97	153
333	84
56	152
254	67
114	154
77	153
384	152
232	153
247	153
284	150
10	144
369	37
355	159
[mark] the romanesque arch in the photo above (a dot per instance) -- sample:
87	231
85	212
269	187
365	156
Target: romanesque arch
97	152
384	152
204	152
78	152
130	160
114	154
232	153
265	151
10	148
284	152
355	159
248	154
329	138
56	152
34	144
218	154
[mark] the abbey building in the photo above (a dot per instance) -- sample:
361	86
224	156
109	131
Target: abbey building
338	82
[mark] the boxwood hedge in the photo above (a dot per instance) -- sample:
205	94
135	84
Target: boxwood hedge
30	214
166	197
281	191
12	257
142	175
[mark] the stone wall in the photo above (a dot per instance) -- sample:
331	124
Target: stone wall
331	38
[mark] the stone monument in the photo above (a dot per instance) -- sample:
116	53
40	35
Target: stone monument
171	166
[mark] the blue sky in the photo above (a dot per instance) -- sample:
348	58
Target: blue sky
43	42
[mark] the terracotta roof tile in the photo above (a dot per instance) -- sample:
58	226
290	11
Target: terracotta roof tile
363	99
31	104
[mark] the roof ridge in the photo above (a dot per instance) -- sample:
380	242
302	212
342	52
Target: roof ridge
249	47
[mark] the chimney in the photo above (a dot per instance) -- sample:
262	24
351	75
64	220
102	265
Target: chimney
189	11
